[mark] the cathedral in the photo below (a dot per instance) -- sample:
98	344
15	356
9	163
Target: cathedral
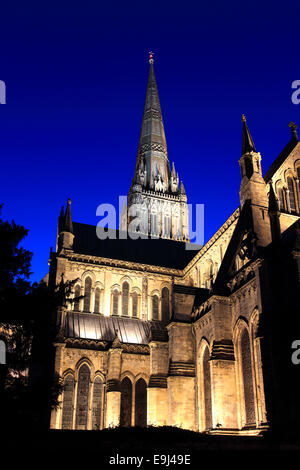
159	334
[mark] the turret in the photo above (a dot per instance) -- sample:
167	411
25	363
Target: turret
253	187
65	229
174	180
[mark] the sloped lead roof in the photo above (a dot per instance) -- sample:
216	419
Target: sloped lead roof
100	328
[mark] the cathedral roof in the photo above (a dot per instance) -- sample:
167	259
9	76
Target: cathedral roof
100	328
155	252
283	154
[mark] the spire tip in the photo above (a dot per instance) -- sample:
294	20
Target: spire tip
151	60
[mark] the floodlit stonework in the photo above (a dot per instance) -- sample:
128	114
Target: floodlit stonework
161	335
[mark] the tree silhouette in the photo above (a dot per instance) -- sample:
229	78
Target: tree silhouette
28	386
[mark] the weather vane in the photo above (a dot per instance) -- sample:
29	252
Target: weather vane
151	60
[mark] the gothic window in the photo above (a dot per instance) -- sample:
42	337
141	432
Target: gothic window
115	302
154	224
298	176
125	298
165	304
207	389
97	300
97	403
155	307
290	184
83	388
76	295
247	376
87	295
134	304
141	403
281	199
167	227
126	402
67	411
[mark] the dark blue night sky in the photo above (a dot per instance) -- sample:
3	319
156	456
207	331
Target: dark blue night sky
76	76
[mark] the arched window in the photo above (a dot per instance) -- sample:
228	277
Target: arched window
134	304
155	307
290	185
76	295
207	389
246	364
167	227
154	229
67	408
125	297
126	402
87	295
298	176
281	199
141	403
115	302
97	403
165	304
97	300
83	388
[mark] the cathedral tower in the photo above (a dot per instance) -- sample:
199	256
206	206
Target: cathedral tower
157	202
253	188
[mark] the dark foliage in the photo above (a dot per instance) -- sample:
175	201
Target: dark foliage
28	386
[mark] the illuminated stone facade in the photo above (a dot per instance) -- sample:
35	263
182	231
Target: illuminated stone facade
169	336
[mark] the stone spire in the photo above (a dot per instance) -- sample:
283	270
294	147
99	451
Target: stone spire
158	201
152	149
248	144
182	190
61	220
65	228
68	225
254	189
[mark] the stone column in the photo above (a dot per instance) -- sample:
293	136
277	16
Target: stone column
157	391
81	300
144	310
181	379
113	387
55	420
222	366
297	194
287	196
92	300
223	386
